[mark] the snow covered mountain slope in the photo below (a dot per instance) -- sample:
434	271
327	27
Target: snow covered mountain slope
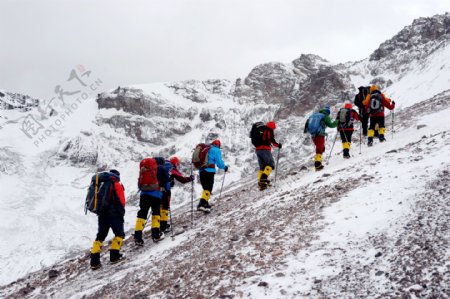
376	225
43	187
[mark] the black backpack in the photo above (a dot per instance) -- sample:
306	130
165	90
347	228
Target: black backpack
100	193
375	104
344	118
256	133
364	91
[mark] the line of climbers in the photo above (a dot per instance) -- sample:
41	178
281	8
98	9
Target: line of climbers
371	103
106	195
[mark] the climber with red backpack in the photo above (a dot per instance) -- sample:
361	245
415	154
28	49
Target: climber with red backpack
106	198
315	126
263	138
345	117
375	102
171	166
153	180
205	158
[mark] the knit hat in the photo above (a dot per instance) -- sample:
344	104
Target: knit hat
271	125
116	172
216	143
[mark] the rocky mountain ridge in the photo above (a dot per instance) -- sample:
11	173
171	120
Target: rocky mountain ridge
129	123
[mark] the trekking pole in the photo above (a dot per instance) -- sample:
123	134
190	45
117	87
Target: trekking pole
223	181
360	138
171	225
329	156
392	124
276	168
192	196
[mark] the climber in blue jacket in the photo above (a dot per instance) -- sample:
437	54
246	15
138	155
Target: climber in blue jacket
207	175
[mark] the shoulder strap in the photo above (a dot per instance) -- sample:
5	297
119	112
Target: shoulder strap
95	193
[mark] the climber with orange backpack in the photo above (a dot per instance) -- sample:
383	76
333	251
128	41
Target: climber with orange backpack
376	102
263	138
205	158
345	118
153	181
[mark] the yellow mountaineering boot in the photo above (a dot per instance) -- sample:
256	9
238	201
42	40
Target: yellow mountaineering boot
263	181
381	135
114	251
318	162
370	137
164	219
260	172
95	254
346	147
157	235
204	205
140	222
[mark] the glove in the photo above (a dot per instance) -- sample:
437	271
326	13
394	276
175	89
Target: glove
226	168
280	145
191	178
172	183
393	103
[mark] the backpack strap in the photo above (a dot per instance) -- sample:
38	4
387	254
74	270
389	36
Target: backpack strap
95	193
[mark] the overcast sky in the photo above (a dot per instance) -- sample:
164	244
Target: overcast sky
131	42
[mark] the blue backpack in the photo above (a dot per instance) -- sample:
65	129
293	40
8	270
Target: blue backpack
100	193
315	123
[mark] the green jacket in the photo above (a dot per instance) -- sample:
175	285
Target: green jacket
326	122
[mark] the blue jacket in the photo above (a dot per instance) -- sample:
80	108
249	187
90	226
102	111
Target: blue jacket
164	182
214	157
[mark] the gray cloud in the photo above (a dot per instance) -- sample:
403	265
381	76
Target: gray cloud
129	42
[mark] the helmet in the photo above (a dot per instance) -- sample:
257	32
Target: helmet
174	160
216	143
348	105
116	172
271	125
327	110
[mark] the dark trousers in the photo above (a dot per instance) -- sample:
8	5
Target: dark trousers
376	120
145	203
346	135
364	122
207	180
107	222
165	202
265	158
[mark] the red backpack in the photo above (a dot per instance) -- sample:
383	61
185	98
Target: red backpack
200	156
148	180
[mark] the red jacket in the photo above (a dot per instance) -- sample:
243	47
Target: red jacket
353	116
175	174
385	102
268	140
120	192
